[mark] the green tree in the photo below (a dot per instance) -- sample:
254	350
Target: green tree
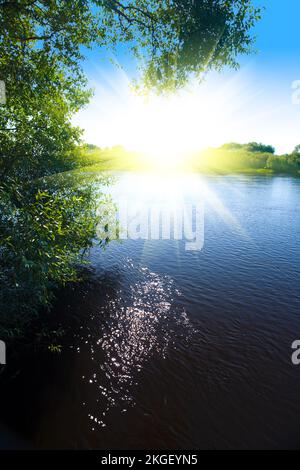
282	163
294	158
232	146
259	148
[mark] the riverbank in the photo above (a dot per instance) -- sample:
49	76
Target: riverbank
213	161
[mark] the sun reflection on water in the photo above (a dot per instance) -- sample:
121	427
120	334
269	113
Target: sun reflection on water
142	320
138	323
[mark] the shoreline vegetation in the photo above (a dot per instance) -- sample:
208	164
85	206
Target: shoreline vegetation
252	159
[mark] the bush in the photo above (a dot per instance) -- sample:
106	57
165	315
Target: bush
44	232
282	164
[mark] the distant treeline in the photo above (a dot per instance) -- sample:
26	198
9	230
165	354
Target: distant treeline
230	157
244	157
250	147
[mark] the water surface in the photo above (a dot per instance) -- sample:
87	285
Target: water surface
175	348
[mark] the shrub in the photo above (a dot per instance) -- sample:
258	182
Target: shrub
44	232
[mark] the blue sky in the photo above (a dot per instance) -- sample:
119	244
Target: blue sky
255	103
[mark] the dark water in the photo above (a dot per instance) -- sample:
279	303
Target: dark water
177	349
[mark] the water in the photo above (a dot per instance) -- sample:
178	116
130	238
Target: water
174	348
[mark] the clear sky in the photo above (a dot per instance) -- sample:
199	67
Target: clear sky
253	104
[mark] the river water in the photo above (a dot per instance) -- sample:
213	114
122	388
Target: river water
178	343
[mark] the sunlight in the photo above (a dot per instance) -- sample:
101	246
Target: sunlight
168	128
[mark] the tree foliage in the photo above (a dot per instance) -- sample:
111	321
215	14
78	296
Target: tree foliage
259	148
250	147
247	157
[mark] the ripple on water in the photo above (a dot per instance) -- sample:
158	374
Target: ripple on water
139	322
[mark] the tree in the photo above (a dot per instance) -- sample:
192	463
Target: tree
174	37
294	158
232	146
282	163
296	150
259	148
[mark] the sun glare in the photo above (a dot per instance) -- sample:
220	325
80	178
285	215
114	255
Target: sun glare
166	129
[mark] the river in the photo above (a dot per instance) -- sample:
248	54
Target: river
178	343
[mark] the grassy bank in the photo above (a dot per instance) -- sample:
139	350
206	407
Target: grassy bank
211	161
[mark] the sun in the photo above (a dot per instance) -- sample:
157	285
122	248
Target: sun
168	129
160	154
